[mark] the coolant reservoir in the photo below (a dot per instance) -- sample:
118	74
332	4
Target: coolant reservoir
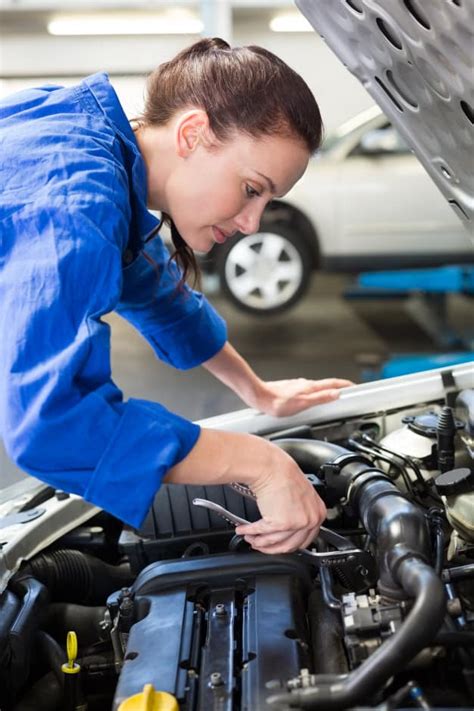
456	488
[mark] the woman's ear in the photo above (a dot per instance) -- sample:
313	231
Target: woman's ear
191	130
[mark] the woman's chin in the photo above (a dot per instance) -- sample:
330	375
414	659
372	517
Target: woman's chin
200	243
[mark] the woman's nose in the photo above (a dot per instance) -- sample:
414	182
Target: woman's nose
248	220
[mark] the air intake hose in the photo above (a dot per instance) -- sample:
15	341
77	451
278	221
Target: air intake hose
389	518
418	629
73	576
401	535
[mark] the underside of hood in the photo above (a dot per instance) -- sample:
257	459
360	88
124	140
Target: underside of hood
416	60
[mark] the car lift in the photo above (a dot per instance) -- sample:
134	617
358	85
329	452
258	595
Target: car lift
426	291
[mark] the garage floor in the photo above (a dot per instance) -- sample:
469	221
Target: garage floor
323	336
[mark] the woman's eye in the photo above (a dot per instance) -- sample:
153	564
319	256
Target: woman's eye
251	192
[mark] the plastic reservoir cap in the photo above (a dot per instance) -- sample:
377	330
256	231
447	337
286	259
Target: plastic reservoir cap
456	481
150	700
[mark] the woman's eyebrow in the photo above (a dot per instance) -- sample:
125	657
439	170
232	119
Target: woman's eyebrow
269	181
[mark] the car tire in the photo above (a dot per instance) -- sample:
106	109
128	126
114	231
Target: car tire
266	272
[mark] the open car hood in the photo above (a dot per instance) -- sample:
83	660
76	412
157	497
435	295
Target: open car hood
416	60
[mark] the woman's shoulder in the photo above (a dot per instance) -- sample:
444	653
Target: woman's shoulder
63	157
53	135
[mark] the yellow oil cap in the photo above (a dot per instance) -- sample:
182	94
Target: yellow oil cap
150	700
71	667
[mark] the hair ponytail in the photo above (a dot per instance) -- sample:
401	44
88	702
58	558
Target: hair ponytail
183	255
185	258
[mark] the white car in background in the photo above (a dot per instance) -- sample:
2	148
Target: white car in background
364	203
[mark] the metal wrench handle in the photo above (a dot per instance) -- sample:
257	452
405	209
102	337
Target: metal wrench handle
243	490
221	511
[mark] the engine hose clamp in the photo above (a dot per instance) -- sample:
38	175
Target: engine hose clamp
343	459
401	553
360	479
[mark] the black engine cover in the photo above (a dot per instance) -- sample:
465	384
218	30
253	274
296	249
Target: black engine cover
218	632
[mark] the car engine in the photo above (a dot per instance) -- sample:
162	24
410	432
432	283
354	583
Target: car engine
184	613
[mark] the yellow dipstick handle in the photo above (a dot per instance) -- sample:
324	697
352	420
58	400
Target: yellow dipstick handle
150	700
70	667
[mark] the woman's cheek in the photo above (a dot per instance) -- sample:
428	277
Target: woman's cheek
231	204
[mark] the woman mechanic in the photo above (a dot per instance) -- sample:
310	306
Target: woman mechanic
216	142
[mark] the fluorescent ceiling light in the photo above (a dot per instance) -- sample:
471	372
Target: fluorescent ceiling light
179	21
290	22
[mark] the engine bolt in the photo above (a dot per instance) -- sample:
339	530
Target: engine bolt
220	609
454	607
216	679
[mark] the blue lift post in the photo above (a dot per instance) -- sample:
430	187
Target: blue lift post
427	292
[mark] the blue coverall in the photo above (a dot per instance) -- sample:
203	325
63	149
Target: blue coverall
73	221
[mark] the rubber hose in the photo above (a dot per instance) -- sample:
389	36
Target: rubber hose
73	576
404	546
310	454
44	695
386	514
54	654
460	572
86	621
417	631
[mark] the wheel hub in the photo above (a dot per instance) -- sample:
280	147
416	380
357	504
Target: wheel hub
264	270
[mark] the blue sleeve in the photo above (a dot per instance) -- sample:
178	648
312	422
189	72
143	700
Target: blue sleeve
62	418
181	326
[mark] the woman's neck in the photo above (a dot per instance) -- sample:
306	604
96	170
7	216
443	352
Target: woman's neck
156	148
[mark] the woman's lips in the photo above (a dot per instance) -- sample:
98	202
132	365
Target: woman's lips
219	236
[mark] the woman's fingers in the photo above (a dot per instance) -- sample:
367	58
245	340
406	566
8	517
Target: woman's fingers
291	509
262	526
264	538
283	542
331	383
310	537
321	396
305	385
291	543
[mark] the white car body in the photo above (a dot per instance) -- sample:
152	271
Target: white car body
365	203
376	209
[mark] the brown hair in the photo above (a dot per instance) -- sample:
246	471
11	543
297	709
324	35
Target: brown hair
246	89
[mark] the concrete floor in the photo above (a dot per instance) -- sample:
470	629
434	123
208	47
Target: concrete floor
323	336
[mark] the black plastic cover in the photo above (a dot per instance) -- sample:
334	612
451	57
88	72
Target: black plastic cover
456	481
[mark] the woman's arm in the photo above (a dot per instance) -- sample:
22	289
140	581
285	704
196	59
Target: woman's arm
181	326
278	398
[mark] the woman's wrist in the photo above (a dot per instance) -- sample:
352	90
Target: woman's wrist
252	390
260	396
234	371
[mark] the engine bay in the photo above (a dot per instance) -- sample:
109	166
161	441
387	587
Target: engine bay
184	613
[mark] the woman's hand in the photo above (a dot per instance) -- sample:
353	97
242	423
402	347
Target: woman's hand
279	398
282	398
291	510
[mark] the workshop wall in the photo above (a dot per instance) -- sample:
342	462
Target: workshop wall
26	58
